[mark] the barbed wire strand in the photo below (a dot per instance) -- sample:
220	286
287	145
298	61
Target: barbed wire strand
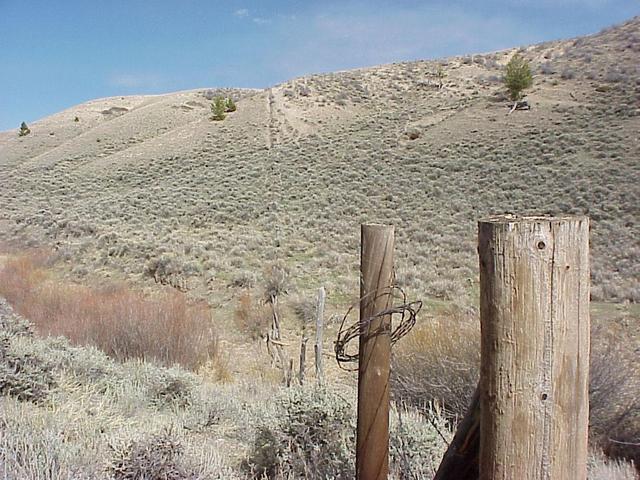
407	311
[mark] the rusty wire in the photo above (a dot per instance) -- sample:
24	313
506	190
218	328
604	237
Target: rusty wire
407	311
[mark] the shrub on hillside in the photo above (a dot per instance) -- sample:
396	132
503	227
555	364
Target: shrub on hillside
171	388
310	433
230	105
432	365
23	375
218	108
24	130
158	456
517	77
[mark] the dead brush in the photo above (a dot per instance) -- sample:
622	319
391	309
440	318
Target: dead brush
158	456
123	323
614	405
439	362
252	317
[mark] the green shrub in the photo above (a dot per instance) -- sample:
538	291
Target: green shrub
24	130
517	77
159	456
310	434
231	105
29	451
23	375
218	107
416	443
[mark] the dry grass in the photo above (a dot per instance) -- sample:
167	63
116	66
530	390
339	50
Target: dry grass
170	195
123	323
603	468
252	317
439	362
614	402
103	420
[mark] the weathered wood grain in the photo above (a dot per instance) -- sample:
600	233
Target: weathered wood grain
372	444
534	308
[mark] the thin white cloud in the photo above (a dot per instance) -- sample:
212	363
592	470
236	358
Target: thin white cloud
348	37
244	13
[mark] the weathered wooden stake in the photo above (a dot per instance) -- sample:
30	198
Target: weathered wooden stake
319	327
529	417
534	314
303	353
376	265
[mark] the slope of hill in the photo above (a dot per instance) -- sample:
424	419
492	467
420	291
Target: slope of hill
149	187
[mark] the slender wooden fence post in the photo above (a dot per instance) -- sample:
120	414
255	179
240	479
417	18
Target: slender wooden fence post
303	352
529	417
376	265
534	311
319	327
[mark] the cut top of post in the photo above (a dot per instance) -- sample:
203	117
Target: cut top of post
509	218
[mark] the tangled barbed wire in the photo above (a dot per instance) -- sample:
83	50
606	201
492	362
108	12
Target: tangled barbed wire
407	311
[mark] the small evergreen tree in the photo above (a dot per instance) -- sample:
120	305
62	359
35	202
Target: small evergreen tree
24	130
231	105
440	74
517	77
218	107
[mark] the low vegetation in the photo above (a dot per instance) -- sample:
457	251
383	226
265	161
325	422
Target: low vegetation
95	418
125	324
99	380
431	365
218	109
120	421
517	77
24	130
220	106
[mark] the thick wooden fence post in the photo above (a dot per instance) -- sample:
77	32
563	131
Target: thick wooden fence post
530	414
376	270
534	314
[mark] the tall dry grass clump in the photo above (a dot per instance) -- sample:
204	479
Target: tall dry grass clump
614	400
439	362
252	317
123	323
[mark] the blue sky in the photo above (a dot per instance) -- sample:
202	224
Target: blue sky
55	54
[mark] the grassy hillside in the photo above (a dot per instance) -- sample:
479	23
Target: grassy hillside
148	189
149	185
